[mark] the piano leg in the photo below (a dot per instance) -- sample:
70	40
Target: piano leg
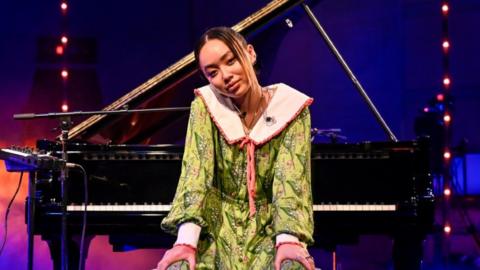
73	252
408	251
30	218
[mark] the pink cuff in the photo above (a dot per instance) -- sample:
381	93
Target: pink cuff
285	237
188	233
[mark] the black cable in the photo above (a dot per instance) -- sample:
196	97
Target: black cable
84	223
8	211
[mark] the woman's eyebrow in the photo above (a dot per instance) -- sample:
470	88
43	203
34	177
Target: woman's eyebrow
225	55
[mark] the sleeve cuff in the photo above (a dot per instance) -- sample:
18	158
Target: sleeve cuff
285	237
188	233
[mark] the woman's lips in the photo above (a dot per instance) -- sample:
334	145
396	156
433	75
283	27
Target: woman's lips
233	87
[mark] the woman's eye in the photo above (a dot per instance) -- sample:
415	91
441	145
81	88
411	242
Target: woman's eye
231	61
212	74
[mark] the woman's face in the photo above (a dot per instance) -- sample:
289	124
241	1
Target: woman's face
223	70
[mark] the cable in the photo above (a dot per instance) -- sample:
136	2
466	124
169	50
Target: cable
8	211
84	223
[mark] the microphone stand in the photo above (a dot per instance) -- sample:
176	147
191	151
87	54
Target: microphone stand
349	72
65	125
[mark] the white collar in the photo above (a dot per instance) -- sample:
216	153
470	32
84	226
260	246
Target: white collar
283	108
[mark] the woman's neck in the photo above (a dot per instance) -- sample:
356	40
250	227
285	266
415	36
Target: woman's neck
249	102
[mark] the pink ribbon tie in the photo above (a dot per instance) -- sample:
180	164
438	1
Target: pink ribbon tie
250	173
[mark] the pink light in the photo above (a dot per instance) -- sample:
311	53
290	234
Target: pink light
446	81
65	107
447	118
445	9
447	229
59	50
440	97
64	6
446	44
425	109
64	39
64	74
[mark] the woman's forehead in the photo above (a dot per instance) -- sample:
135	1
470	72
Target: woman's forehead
213	51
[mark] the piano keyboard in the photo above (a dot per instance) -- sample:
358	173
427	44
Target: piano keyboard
353	207
167	207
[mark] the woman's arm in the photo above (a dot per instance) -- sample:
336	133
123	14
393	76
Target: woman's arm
196	177
292	195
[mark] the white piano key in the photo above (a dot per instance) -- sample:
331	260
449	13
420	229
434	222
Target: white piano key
354	207
121	208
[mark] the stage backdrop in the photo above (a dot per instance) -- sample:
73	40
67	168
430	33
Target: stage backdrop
393	47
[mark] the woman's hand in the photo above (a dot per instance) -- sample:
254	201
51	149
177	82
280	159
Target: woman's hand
177	253
294	252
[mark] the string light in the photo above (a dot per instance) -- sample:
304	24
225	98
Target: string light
447	229
447	192
446	81
440	97
446	44
445	9
64	40
447	118
64	6
64	73
59	50
447	155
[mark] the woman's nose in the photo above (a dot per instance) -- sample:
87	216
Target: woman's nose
227	75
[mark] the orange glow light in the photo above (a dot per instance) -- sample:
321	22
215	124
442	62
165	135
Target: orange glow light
447	155
59	50
64	74
447	192
64	107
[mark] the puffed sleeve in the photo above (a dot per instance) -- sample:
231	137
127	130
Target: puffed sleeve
197	171
292	194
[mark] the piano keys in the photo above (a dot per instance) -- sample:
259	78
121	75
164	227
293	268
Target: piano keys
388	183
165	208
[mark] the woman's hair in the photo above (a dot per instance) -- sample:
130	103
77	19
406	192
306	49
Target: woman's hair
236	43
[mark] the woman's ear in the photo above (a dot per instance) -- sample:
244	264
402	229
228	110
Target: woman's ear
252	54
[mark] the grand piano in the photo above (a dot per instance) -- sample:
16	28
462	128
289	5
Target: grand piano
360	188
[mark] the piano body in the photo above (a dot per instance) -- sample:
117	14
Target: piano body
362	188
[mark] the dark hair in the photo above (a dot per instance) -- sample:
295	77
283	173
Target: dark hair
234	41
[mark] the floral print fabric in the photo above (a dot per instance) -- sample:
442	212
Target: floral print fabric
212	193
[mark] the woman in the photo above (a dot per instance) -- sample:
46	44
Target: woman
243	200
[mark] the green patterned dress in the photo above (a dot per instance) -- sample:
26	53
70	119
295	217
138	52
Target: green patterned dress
212	193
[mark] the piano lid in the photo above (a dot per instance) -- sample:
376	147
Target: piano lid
173	87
